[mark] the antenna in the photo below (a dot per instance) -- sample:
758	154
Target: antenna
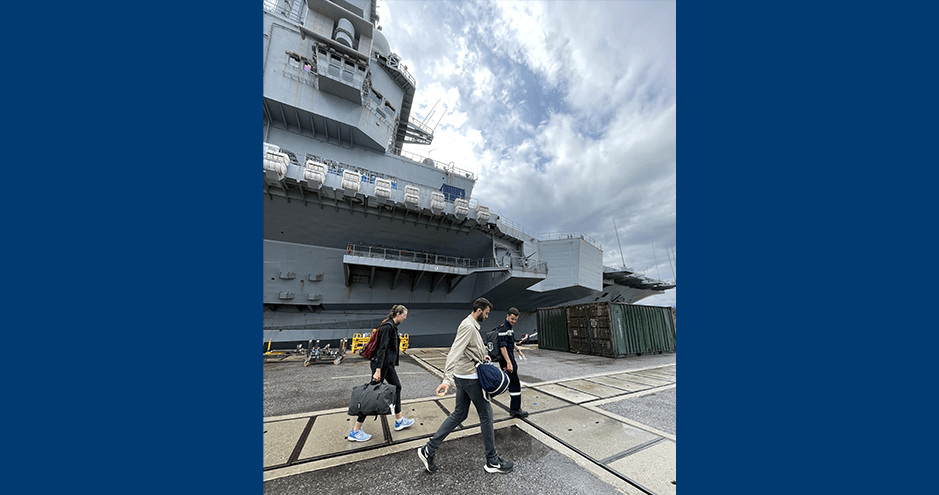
438	121
431	112
620	245
670	263
656	261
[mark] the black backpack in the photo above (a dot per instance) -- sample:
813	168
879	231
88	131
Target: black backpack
492	344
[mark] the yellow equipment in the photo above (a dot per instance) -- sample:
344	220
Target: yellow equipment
359	341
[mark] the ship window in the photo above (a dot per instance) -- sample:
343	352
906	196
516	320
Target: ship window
377	94
389	106
293	61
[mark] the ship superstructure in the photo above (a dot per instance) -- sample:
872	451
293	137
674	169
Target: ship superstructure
354	224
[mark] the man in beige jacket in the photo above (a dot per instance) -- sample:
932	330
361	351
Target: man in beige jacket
467	350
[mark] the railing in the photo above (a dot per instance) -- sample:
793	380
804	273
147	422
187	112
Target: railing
377	252
418	257
420	125
394	62
523	264
450	167
515	225
573	235
291	9
545	237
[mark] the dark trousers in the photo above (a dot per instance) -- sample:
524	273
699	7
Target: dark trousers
389	375
468	391
515	386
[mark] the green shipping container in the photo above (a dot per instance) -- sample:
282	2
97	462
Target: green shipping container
607	329
643	329
552	329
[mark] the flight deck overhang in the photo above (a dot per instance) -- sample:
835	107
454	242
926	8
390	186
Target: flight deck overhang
341	186
629	278
362	262
360	266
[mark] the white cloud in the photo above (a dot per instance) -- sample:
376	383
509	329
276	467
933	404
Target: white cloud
566	110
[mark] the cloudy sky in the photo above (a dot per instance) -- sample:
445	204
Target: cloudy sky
565	110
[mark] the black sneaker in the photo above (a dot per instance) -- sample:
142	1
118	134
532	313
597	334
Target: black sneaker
500	466
428	460
518	414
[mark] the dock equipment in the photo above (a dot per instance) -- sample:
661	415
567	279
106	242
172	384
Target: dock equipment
312	353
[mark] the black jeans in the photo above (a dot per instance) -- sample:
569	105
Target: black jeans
468	391
389	375
515	386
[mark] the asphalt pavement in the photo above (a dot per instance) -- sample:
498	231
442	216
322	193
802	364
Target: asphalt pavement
597	425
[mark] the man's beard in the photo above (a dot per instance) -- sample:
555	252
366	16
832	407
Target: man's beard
480	318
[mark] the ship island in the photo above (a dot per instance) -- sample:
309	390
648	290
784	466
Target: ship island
354	223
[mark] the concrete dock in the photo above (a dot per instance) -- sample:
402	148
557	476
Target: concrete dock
596	425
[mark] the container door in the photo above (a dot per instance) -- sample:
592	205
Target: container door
552	329
600	332
577	330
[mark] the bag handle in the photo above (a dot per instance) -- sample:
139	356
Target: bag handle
473	359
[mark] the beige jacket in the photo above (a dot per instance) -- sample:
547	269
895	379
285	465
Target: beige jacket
467	345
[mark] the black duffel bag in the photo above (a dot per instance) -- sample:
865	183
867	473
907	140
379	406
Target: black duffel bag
372	399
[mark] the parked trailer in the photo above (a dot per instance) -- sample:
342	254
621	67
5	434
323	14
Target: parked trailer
607	329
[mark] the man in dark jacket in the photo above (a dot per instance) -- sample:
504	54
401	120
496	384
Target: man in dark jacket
507	361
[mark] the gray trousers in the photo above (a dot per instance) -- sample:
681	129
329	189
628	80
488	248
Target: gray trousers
466	391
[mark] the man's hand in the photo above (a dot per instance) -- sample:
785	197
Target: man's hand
505	357
444	387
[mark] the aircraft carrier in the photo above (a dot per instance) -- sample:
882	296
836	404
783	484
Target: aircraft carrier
354	224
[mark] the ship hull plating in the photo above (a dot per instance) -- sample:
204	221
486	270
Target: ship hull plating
354	224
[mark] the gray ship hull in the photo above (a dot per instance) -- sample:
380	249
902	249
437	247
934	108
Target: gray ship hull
353	224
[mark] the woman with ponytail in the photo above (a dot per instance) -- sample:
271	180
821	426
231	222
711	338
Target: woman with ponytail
383	365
